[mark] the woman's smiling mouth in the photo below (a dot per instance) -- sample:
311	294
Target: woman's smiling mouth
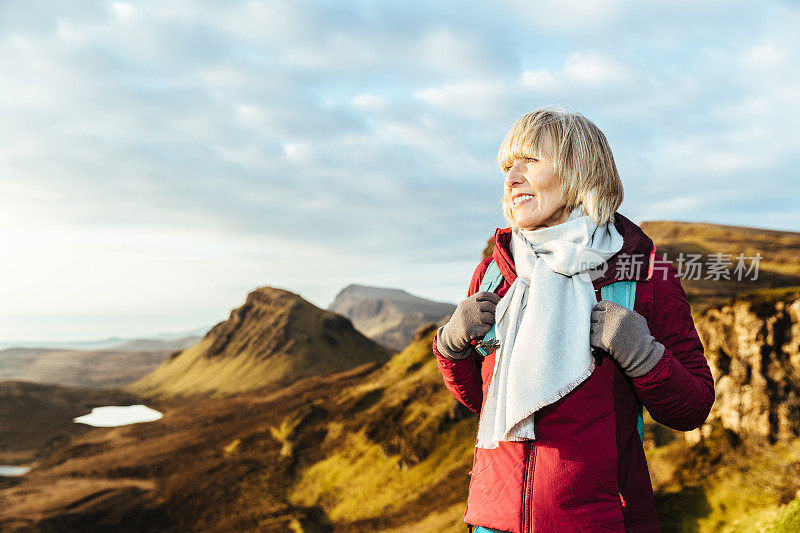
522	198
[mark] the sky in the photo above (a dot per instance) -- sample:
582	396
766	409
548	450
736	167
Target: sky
160	160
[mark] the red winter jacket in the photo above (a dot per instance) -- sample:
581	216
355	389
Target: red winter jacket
586	469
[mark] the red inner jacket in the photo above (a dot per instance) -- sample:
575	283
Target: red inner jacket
586	470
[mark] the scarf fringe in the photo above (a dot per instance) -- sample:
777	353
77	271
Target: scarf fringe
560	393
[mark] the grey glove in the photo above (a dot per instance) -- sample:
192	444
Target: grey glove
472	319
624	334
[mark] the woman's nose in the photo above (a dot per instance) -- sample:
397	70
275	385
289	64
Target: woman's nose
514	177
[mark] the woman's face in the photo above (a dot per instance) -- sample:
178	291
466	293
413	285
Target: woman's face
534	177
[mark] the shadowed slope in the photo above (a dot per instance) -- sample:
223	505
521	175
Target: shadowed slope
35	418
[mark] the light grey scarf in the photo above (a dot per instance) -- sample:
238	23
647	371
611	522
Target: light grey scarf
543	322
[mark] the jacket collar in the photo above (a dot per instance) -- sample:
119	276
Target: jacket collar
633	262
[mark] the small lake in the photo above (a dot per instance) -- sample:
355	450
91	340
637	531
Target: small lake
106	416
118	415
11	471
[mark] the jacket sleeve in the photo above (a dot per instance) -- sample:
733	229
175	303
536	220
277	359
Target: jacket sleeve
463	377
679	391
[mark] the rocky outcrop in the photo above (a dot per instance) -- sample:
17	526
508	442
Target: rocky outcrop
390	317
753	348
275	338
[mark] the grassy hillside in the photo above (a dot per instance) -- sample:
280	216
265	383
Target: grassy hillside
374	448
368	449
781	249
726	484
403	443
779	265
36	418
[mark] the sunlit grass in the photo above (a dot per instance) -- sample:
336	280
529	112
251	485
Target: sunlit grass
752	486
447	520
359	481
783	519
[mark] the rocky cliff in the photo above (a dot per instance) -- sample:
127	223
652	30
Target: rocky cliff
753	348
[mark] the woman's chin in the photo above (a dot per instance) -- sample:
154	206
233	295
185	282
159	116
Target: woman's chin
529	222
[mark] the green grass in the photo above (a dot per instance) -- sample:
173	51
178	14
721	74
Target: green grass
723	484
783	519
393	449
358	481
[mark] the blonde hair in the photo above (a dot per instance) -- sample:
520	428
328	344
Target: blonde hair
581	156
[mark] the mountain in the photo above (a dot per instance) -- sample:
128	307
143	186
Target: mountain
275	338
388	316
781	249
382	446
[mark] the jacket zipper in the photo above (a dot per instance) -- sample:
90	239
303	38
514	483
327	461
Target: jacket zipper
530	463
525	488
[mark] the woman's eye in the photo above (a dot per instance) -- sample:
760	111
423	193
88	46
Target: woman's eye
530	159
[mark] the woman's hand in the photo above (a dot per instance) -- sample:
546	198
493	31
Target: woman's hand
624	334
473	318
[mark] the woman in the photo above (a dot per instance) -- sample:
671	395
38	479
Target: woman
557	447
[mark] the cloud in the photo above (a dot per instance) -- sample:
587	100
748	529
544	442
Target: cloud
195	150
539	79
368	101
593	69
125	11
